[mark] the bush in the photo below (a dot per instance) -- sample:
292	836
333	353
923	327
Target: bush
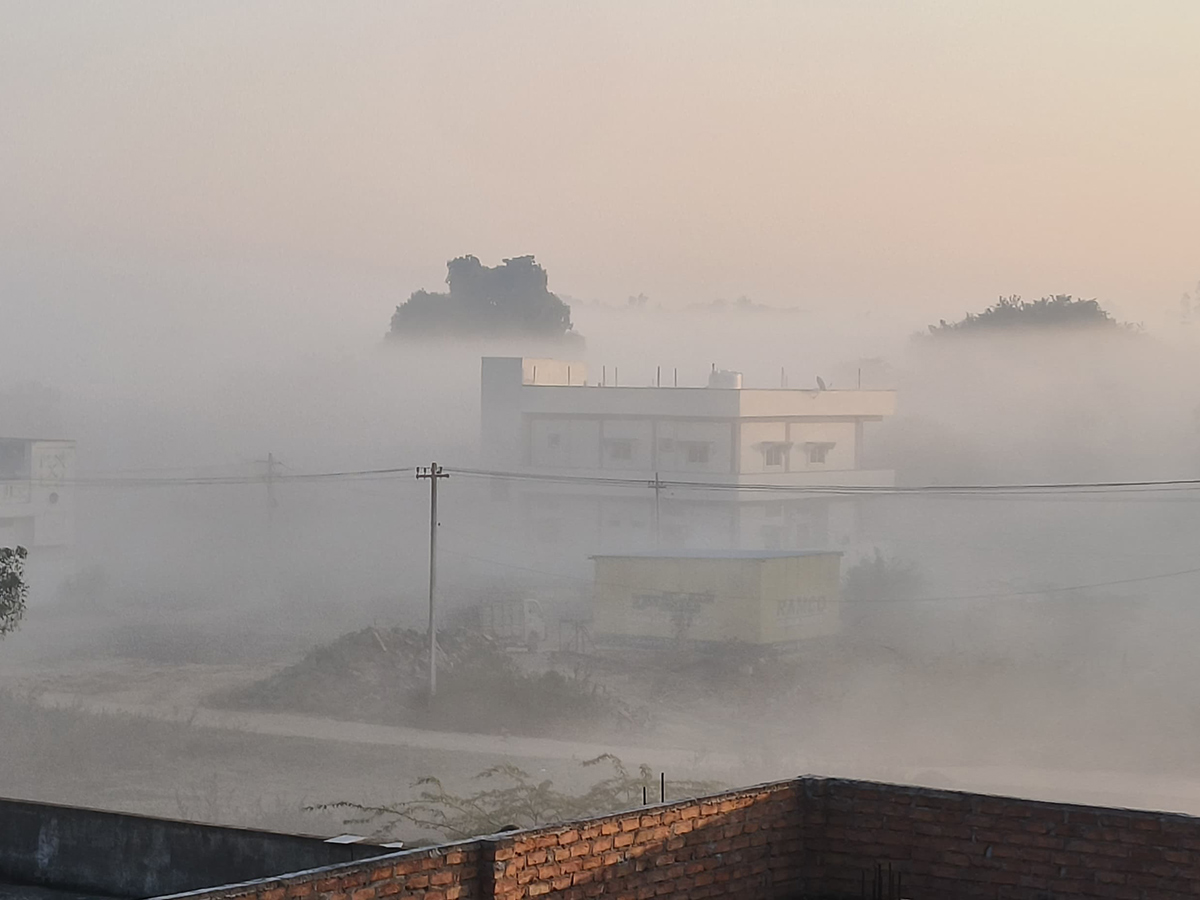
13	590
512	801
381	675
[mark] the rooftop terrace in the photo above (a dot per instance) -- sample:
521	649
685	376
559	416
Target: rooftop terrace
812	838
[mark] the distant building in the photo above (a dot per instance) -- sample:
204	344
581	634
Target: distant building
752	596
36	493
543	417
37	507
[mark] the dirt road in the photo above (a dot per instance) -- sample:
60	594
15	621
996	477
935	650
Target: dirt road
294	725
1108	788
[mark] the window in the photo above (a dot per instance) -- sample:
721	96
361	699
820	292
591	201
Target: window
666	445
14	459
697	452
818	452
553	440
774	455
621	449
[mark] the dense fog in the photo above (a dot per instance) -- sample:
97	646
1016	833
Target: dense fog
983	663
202	303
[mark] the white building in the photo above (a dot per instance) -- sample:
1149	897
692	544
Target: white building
542	417
37	506
36	492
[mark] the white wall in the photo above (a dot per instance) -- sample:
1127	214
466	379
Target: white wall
756	436
752	439
636	434
839	457
553	371
676	440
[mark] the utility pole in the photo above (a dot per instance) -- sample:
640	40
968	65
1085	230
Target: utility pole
271	463
433	472
657	528
271	501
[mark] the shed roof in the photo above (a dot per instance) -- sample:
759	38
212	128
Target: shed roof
716	554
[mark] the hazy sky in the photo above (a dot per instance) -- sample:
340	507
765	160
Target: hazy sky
928	155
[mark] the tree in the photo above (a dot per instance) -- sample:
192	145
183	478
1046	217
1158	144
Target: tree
13	589
880	578
1012	314
509	299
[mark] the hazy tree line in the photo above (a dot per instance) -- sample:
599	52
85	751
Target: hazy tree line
509	299
1061	311
513	299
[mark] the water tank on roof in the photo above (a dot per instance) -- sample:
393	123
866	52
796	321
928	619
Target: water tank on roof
725	378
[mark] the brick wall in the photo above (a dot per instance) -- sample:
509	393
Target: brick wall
809	838
740	844
445	872
955	846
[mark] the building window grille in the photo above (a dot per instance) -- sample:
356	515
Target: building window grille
818	452
620	450
697	452
774	455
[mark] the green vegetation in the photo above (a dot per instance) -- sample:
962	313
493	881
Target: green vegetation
13	589
512	800
504	300
380	675
1012	314
880	577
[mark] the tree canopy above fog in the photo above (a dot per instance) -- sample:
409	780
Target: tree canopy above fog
1062	312
509	299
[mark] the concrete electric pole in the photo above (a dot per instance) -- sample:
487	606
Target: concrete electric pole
657	525
433	472
271	501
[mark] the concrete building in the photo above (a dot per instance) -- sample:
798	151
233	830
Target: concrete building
710	449
756	597
37	507
36	493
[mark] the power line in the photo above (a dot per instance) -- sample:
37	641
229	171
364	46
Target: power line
220	480
1009	491
1173	484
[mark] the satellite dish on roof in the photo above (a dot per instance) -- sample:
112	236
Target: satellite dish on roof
821	384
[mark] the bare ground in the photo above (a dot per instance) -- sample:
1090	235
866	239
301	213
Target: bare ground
126	730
